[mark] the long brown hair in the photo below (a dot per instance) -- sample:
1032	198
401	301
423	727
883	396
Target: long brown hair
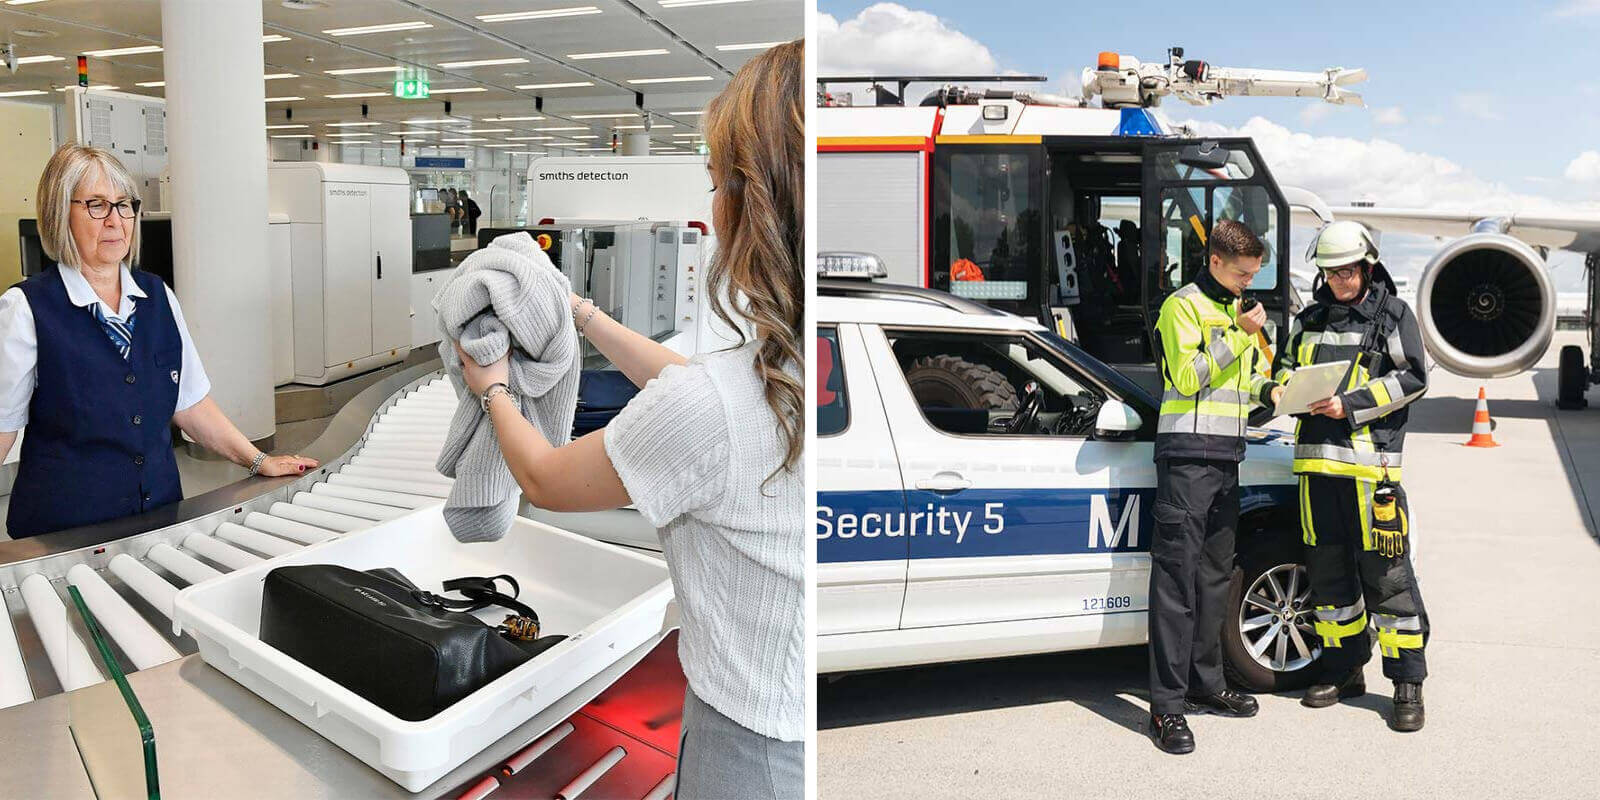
755	130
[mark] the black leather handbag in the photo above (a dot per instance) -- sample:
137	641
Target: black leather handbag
410	652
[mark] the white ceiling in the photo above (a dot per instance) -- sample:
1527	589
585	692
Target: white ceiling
690	35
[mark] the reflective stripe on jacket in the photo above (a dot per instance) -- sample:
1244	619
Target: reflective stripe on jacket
1379	387
1210	380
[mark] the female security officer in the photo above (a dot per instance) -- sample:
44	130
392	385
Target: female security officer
96	361
1346	450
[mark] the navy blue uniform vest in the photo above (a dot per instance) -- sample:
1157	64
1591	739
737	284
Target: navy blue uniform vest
97	445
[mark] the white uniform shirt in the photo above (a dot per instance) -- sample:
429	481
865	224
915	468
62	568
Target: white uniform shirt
19	344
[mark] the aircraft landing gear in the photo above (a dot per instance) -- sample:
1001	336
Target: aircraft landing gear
1572	379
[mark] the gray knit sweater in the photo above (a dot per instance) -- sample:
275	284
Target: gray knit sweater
692	449
507	296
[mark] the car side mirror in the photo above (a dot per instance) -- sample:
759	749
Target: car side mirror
1116	421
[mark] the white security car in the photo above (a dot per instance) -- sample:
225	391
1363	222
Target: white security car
985	490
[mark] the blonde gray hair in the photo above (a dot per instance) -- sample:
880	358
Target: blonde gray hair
71	165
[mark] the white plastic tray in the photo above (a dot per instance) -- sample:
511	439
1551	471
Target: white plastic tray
605	599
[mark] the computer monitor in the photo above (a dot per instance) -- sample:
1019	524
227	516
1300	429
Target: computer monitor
155	248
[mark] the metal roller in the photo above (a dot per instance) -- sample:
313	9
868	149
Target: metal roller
373	496
388	462
588	777
144	581
352	508
398	474
400	451
74	667
288	528
409	487
262	543
14	687
221	552
142	643
540	746
322	519
181	564
663	790
407	441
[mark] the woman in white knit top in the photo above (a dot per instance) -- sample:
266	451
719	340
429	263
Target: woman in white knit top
709	452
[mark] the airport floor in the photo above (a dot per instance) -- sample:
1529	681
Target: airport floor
1508	560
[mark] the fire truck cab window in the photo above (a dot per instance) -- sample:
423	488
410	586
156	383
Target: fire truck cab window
988	227
1097	273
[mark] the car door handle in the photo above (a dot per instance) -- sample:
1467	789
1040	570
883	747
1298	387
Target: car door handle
944	482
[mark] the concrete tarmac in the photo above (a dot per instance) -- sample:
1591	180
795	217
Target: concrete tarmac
1509	565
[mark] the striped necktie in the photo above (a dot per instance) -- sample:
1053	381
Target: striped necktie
120	331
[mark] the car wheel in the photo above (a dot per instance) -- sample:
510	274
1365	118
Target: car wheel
954	382
1268	642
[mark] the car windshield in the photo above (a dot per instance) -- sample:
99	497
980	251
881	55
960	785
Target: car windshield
1120	384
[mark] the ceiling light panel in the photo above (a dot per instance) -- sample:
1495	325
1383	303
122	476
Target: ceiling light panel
385	28
548	13
616	54
487	62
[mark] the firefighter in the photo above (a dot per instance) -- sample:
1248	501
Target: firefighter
1353	516
1209	358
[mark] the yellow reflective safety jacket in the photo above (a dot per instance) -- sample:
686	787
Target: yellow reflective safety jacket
1210	380
1390	374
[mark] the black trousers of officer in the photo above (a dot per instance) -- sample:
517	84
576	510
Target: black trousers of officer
1191	561
1345	574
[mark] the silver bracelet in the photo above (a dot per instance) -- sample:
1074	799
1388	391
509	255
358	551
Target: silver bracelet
592	310
255	465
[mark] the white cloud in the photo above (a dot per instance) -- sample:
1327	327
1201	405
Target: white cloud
1341	170
888	38
1478	105
1585	168
1391	115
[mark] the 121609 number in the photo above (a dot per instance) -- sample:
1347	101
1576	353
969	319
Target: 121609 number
1107	603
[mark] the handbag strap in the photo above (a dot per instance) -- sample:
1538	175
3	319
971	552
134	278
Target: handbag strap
480	593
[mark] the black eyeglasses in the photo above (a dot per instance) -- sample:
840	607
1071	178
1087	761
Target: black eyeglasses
1342	273
100	209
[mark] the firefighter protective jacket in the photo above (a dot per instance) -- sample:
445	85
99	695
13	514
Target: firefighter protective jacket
1389	371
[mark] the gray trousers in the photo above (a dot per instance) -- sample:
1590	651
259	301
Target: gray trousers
719	759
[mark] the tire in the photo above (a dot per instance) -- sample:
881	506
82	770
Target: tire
954	382
1572	379
1243	669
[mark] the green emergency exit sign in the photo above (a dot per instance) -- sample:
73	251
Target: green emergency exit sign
411	88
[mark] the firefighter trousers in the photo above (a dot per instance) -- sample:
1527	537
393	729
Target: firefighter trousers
1351	582
1191	561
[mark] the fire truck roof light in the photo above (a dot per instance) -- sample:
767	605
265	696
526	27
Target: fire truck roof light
994	113
1110	60
865	266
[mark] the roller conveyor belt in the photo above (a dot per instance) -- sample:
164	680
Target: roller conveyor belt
129	582
388	474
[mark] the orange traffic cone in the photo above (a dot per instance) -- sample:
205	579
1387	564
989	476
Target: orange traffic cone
1482	435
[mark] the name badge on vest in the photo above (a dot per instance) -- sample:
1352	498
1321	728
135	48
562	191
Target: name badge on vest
174	376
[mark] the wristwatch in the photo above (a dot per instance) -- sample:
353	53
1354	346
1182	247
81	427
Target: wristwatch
496	389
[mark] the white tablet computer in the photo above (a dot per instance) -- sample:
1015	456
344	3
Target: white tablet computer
1310	385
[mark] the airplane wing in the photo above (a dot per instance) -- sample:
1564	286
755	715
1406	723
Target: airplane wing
1577	232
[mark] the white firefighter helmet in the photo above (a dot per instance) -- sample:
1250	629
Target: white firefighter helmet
1342	243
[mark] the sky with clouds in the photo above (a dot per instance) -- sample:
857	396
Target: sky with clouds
1463	108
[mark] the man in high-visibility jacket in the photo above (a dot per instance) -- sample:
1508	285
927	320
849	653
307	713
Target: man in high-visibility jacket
1209	357
1347	452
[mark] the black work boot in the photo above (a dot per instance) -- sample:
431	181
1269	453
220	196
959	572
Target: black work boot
1171	733
1226	703
1323	695
1407	715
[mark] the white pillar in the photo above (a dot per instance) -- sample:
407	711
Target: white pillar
218	158
635	144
